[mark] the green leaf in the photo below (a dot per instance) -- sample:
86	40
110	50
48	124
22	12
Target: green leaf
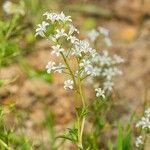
120	138
72	135
110	145
81	111
127	138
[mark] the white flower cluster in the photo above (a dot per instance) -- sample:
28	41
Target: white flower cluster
95	33
144	125
139	141
90	65
12	8
106	70
144	122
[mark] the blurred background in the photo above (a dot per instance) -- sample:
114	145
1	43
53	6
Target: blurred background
25	85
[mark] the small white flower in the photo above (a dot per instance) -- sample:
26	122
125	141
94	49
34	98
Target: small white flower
100	92
50	66
7	6
139	141
57	49
51	16
68	84
59	68
104	59
41	28
104	31
85	63
64	18
88	69
147	112
93	52
72	39
13	8
108	85
81	46
60	33
96	71
117	59
108	73
92	35
73	29
108	41
117	71
144	123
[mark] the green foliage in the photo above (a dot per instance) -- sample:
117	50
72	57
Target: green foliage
110	145
8	43
120	138
90	141
124	138
70	135
49	124
81	112
10	139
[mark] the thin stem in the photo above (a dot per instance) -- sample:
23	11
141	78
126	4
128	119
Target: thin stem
81	92
4	145
82	121
71	73
73	77
84	105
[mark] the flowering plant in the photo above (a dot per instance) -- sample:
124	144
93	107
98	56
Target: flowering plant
90	67
144	126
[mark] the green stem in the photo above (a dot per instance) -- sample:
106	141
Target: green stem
81	129
71	73
80	121
4	145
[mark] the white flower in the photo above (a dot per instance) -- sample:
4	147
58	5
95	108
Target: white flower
72	39
59	68
57	17
50	66
13	8
60	33
108	85
73	29
108	73
57	49
111	72
88	69
81	46
85	63
53	38
41	28
64	18
92	35
100	92
51	16
139	141
96	71
147	112
103	31
104	59
117	59
144	123
108	41
117	71
68	84
7	6
92	52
